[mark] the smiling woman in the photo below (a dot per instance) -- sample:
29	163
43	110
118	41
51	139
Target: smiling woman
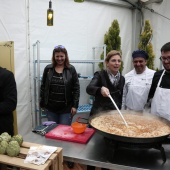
105	82
60	88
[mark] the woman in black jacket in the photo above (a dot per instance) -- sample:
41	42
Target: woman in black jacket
60	88
105	82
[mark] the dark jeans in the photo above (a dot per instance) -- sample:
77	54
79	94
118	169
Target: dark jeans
62	118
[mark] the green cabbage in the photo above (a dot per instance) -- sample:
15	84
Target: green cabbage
17	138
5	136
3	146
13	148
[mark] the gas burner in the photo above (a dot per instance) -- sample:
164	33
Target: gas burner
114	145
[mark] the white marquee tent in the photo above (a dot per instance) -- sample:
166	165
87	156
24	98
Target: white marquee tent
77	26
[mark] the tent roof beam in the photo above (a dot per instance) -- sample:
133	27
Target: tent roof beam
119	3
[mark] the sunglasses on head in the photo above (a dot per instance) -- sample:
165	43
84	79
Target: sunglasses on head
59	46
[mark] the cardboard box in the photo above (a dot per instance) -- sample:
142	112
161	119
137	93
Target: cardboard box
55	162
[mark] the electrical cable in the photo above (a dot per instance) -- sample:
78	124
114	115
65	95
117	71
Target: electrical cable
139	7
155	12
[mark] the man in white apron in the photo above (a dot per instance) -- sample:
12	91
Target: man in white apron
137	83
160	88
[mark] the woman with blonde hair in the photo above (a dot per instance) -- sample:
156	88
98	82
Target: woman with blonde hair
105	82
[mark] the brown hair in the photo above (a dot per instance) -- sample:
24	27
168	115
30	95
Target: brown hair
60	48
112	53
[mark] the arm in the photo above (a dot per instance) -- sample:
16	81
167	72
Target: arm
95	85
76	90
42	88
9	94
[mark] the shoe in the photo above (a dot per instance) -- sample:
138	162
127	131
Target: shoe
70	164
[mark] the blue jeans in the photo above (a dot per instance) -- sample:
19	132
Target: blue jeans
59	118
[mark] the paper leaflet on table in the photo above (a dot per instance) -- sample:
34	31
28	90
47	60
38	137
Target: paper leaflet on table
39	154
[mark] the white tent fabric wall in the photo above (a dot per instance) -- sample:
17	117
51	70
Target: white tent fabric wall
160	26
77	26
13	27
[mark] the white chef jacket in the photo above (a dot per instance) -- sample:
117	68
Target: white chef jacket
136	89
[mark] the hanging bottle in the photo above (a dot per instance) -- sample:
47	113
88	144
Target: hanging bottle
50	15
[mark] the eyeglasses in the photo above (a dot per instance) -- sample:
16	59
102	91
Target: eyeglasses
162	58
59	46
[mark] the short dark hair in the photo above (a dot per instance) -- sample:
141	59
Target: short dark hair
165	47
140	53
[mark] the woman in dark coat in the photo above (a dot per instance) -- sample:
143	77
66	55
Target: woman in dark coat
60	89
105	82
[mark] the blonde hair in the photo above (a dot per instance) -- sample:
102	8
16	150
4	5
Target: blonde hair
111	54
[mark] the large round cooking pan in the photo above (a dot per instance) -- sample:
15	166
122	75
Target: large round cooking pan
126	138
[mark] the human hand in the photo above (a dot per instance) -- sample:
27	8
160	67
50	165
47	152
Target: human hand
73	111
105	91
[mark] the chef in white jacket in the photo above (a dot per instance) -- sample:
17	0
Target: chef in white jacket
137	83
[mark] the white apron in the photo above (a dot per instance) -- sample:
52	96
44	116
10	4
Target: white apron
137	94
161	101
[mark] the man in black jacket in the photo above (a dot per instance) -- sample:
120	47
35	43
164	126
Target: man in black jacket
8	101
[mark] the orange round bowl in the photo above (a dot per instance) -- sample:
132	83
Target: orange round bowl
78	127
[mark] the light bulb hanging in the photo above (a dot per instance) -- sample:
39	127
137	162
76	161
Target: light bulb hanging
50	15
78	0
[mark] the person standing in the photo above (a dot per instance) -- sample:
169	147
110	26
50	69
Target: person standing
160	87
8	101
107	82
60	89
137	83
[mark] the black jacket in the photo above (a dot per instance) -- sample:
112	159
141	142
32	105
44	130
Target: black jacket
101	103
8	100
165	83
71	81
